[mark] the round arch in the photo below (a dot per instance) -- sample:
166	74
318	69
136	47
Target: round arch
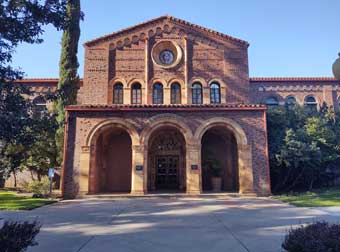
198	79
174	80
219	81
169	120
136	80
112	123
110	133
230	124
118	80
243	170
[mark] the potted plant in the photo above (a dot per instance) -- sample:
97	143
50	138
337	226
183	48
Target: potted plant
214	167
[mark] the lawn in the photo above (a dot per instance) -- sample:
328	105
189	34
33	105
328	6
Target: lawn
318	198
13	201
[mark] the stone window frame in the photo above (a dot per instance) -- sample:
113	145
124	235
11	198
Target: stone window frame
136	93
271	101
215	96
175	93
157	93
118	93
197	93
310	104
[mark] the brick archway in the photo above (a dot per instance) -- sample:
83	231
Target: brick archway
162	121
244	160
88	181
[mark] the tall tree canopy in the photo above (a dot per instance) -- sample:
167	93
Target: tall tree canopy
21	21
68	65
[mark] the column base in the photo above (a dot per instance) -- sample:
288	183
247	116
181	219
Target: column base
137	192
194	192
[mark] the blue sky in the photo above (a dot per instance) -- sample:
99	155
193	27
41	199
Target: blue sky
287	37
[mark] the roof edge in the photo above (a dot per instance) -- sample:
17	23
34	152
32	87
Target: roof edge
171	18
290	79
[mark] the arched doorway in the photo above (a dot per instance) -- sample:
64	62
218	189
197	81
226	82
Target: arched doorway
113	161
219	155
166	160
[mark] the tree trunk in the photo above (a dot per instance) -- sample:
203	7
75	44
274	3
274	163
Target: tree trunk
15	179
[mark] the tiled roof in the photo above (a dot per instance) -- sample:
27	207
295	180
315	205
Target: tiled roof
290	79
96	107
177	20
40	80
37	80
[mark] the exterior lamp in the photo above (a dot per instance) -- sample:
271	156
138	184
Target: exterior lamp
336	68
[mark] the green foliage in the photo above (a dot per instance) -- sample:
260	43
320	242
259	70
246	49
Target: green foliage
12	201
21	21
323	197
303	145
211	163
42	152
316	237
39	189
17	236
68	65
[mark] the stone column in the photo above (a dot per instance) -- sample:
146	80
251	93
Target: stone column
127	95
193	169
245	169
138	170
84	169
206	94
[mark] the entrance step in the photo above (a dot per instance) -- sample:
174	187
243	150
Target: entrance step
166	195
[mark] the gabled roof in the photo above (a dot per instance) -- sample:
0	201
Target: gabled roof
178	21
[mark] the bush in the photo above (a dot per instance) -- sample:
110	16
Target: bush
317	237
16	236
39	188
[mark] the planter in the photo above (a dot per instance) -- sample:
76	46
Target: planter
216	183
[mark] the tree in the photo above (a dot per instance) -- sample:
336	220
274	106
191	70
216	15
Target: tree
22	21
42	153
304	147
68	77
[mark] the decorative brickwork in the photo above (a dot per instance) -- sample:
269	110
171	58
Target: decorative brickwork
107	143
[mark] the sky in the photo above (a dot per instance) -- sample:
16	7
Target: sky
288	38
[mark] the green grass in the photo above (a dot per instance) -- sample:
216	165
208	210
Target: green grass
13	201
318	198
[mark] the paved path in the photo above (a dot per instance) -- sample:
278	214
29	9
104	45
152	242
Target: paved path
167	224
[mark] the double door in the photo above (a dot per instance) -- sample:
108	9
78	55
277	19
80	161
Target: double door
167	167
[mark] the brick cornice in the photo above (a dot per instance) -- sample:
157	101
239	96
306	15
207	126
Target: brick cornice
167	107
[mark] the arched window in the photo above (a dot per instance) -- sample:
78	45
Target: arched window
290	101
157	96
118	93
215	93
272	102
310	102
175	93
39	105
136	93
197	93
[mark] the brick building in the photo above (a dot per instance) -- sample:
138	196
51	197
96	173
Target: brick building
162	101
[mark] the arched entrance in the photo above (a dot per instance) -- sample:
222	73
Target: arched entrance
166	160
112	167
219	159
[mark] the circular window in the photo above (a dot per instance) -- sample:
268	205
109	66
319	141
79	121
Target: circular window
166	57
166	54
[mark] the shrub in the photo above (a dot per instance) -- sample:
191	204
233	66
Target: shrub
316	237
17	236
39	188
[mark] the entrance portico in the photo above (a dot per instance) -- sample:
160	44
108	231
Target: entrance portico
164	152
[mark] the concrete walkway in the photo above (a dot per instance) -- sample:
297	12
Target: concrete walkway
167	224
